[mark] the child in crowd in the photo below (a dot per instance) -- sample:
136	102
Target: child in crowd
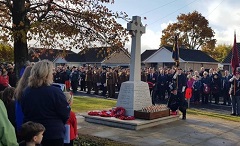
32	134
72	121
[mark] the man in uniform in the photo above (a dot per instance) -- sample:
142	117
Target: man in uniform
89	79
103	82
235	93
111	80
177	90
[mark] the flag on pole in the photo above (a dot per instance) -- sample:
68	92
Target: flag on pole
175	53
235	59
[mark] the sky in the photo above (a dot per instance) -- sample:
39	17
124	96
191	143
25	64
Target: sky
223	17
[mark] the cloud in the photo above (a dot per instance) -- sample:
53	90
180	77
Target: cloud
149	40
223	17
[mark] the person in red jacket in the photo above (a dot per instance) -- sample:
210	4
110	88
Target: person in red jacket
72	121
4	80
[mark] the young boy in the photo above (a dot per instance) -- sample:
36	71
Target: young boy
32	133
72	121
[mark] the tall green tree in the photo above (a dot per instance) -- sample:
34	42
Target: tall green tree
62	24
6	53
219	52
193	32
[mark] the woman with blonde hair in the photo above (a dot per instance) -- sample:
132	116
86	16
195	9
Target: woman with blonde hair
22	83
21	86
46	104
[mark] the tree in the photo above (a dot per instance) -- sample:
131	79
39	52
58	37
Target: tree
192	30
6	53
218	53
62	24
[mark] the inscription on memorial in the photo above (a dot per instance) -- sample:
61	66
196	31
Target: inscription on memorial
126	93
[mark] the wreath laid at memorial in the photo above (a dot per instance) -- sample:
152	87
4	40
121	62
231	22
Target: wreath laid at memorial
118	112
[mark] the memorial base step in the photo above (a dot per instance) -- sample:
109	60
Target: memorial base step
136	124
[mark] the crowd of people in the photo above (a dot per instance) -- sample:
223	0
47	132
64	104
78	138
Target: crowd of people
33	108
206	85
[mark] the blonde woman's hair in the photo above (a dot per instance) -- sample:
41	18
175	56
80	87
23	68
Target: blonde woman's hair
189	76
205	73
41	74
69	97
22	83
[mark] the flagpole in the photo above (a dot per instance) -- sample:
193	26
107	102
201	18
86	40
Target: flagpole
234	87
234	61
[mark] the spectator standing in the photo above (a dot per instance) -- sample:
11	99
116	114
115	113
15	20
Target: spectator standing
46	104
12	76
4	80
83	79
103	82
206	81
8	100
226	87
89	79
216	87
197	86
21	86
74	77
7	132
235	93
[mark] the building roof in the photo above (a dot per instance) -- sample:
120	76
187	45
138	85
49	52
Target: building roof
147	53
90	55
93	54
36	54
193	55
184	54
228	58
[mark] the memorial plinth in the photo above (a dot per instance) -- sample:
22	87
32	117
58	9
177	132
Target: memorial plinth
133	96
136	124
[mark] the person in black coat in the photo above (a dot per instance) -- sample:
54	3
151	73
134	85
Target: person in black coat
151	79
103	79
206	82
74	77
226	87
45	104
161	85
197	86
216	87
177	102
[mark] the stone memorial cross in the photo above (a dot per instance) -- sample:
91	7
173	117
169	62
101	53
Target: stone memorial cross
134	94
136	29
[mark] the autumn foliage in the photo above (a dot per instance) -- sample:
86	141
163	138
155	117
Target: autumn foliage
193	32
65	24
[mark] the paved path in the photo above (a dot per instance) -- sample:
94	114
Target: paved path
195	131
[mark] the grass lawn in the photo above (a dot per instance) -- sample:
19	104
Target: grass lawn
213	114
84	104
